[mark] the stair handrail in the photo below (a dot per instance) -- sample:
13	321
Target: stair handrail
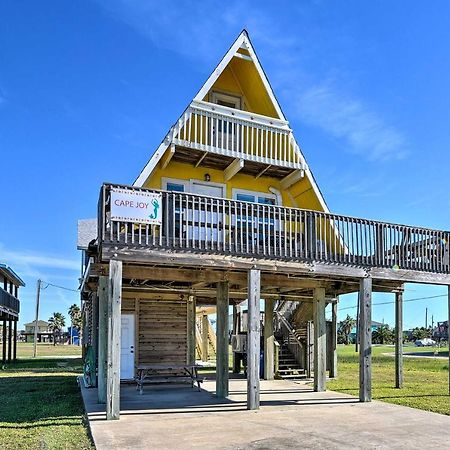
288	326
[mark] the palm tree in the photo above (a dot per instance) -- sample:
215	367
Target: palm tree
346	327
383	335
75	318
56	324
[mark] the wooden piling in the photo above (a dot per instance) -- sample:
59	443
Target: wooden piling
222	353
253	340
365	348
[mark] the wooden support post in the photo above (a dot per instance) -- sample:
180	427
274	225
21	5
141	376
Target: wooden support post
15	341
320	340
4	343
365	342
114	332
9	340
102	337
253	340
399	340
205	339
190	357
333	349
309	348
222	340
236	329
269	340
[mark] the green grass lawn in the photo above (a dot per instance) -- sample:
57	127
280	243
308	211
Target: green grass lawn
41	405
25	350
425	380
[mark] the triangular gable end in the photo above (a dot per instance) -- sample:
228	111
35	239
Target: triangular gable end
242	42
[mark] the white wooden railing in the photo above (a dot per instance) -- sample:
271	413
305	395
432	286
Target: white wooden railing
195	223
238	134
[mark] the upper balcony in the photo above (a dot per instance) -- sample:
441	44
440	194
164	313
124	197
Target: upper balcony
220	135
235	232
8	303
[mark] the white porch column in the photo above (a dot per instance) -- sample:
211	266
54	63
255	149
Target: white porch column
320	340
253	340
365	342
222	340
114	332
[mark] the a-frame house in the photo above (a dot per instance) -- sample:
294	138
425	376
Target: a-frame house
226	211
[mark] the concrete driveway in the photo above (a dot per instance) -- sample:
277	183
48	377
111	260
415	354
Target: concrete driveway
291	416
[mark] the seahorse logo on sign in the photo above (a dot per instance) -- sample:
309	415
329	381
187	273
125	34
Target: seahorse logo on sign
154	214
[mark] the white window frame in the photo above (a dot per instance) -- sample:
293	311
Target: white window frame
229	98
165	180
236	191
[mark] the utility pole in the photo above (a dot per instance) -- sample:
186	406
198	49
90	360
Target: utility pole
426	318
38	295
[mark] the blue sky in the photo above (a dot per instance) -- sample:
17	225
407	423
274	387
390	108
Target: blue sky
88	89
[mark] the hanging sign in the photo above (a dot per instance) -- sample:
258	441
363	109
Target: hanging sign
136	206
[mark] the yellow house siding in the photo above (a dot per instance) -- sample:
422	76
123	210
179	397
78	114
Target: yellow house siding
241	78
301	192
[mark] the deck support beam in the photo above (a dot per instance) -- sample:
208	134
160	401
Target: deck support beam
365	341
114	332
333	350
320	340
205	340
269	340
191	330
399	340
222	340
102	295
253	340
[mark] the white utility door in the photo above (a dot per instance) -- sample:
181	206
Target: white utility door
127	347
208	222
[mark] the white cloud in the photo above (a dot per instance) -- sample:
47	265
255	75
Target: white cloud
345	117
30	262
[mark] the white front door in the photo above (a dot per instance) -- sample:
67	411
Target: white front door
127	347
206	218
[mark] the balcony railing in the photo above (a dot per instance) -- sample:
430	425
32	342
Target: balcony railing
237	134
8	301
195	223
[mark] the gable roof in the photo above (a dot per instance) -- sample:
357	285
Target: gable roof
242	42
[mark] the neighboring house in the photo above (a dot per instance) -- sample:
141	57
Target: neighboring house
375	325
10	283
227	209
44	334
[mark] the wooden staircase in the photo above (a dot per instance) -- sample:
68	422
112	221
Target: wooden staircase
288	367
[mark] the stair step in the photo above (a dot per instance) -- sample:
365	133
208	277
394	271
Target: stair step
292	377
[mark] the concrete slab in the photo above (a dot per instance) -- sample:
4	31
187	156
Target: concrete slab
291	416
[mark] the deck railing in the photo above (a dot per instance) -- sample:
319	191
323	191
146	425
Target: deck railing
8	301
195	223
238	134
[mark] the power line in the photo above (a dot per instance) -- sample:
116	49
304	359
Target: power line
391	303
59	287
